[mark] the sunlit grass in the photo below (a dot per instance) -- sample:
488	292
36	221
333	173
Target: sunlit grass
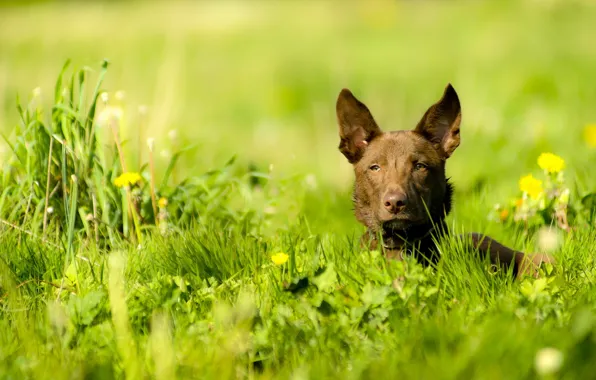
133	245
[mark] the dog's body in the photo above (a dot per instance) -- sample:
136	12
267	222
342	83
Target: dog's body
401	193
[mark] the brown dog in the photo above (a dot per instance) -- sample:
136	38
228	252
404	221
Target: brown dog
401	192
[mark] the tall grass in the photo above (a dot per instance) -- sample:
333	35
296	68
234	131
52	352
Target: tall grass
67	179
203	305
115	266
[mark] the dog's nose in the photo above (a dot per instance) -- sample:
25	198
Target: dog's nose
395	202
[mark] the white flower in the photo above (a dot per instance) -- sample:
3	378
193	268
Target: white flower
311	181
564	197
50	210
151	143
548	239
143	109
104	97
109	114
548	360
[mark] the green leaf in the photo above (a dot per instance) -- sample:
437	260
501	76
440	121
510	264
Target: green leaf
85	309
526	288
373	296
430	291
589	201
327	280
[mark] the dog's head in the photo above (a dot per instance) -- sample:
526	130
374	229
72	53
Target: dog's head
400	175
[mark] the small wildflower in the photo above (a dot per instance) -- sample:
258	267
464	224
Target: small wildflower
119	95
564	197
548	360
162	203
311	181
104	97
50	210
127	179
109	114
503	215
163	224
590	135
531	186
279	258
151	143
548	239
551	163
519	202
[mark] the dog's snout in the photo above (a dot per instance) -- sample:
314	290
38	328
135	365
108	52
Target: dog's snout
395	201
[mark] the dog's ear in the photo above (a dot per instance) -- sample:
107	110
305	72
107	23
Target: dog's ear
440	123
357	127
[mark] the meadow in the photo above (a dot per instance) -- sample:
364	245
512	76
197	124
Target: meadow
173	203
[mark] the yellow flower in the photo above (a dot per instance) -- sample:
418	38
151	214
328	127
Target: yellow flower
162	202
127	179
530	185
590	135
551	162
279	258
503	215
519	202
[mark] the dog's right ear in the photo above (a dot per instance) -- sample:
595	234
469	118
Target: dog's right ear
357	127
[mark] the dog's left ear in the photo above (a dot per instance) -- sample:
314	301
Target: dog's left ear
440	123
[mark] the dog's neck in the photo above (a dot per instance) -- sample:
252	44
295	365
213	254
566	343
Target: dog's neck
417	240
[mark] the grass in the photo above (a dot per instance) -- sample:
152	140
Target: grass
171	276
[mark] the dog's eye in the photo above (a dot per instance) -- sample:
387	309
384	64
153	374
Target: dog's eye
420	166
375	168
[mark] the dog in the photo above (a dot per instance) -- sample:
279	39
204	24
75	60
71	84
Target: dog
401	193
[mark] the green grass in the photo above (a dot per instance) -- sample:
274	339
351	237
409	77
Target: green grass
99	289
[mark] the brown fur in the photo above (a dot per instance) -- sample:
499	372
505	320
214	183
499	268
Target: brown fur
401	192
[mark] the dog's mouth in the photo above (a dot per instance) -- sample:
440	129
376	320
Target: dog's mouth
400	223
404	229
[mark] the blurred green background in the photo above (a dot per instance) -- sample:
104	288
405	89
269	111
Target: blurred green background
259	79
